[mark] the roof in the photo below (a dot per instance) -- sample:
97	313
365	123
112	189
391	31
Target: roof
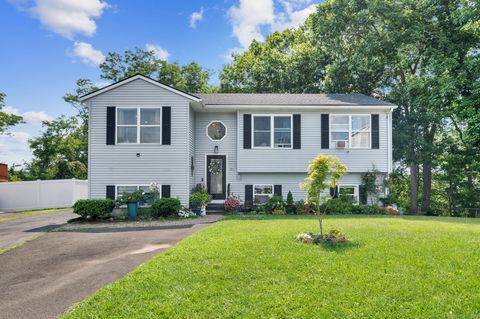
133	78
289	99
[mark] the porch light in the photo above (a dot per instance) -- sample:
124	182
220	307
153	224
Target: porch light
215	149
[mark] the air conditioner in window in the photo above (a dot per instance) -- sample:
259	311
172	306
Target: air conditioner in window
340	144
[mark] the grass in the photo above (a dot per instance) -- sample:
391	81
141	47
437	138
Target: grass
26	213
250	267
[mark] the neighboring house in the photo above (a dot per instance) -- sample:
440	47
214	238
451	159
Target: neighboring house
248	145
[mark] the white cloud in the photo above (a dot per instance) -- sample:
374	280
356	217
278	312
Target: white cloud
19	137
292	18
29	117
88	53
69	17
160	53
196	17
248	17
228	57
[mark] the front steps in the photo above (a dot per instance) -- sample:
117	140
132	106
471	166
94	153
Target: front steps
215	209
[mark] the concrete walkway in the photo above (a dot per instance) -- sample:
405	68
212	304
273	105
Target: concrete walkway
20	230
43	278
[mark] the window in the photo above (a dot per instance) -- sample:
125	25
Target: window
261	193
354	130
138	125
122	189
216	130
349	191
278	137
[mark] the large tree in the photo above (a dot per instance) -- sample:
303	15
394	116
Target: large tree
287	62
410	51
190	77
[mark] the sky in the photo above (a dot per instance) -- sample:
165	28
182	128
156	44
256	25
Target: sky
46	45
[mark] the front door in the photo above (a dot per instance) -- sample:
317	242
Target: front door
217	176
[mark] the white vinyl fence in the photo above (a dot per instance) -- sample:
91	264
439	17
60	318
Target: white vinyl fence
41	194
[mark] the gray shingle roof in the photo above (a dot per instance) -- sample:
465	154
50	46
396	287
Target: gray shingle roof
288	99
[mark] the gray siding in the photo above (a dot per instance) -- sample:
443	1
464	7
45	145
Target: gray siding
118	164
191	147
289	181
296	161
204	146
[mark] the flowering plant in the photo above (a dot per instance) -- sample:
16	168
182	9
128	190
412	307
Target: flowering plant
133	197
231	204
186	213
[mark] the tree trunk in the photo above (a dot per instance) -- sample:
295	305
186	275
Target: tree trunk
413	188
427	187
429	137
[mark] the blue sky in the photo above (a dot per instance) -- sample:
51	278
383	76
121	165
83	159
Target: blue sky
48	44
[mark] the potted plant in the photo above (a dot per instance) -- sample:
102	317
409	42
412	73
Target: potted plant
131	200
198	202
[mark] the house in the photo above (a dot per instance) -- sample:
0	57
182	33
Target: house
249	145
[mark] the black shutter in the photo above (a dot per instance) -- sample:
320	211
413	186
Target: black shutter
247	131
334	192
111	191
165	191
111	125
297	131
249	194
166	125
375	131
325	124
277	190
362	194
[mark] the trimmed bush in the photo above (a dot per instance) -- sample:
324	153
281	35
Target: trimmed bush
164	207
93	208
275	202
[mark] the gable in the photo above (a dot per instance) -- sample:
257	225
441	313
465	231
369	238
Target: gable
138	85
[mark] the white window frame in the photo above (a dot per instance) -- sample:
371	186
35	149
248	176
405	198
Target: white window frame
216	121
263	185
350	130
355	190
138	187
272	131
138	125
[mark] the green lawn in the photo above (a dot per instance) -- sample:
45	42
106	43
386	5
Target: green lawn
396	267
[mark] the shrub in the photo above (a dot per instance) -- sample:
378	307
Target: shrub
338	206
279	212
274	202
302	207
199	199
231	204
93	208
186	213
164	207
290	204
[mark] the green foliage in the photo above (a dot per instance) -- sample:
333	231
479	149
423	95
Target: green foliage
199	198
322	167
413	267
369	182
190	77
133	197
60	152
286	62
275	202
290	204
164	207
94	208
7	120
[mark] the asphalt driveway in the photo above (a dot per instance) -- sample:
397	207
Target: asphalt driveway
46	276
20	230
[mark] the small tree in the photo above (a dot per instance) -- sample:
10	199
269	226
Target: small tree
290	208
322	167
